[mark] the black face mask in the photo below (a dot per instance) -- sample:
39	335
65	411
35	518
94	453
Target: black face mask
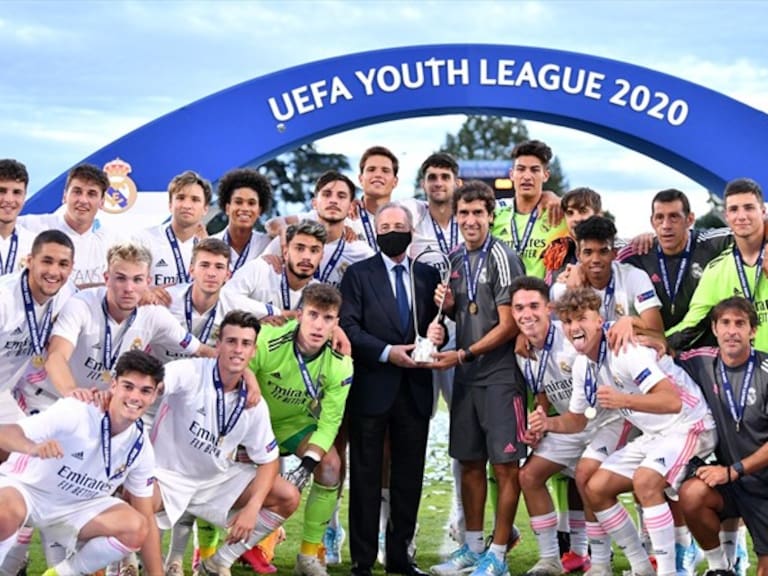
393	243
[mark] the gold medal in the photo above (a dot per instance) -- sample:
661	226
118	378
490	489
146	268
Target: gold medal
590	413
220	441
38	361
473	308
106	376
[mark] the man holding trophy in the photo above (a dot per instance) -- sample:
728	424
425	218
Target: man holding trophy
385	299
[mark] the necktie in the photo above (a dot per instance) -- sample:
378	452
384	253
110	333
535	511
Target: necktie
403	309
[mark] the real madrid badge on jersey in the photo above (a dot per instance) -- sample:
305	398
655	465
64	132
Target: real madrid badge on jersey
473	308
620	310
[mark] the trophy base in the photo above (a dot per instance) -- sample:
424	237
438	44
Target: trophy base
424	350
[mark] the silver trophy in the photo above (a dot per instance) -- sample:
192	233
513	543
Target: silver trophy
424	351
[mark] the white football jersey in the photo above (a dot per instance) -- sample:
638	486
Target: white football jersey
186	434
82	323
165	270
13	252
425	236
81	473
259	241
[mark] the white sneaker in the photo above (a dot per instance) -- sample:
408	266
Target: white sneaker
546	567
599	570
309	566
175	568
212	567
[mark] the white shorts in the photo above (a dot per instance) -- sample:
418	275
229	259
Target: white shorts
667	453
10	412
442	380
211	500
596	444
32	397
61	523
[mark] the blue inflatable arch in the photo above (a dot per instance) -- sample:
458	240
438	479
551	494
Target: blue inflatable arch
705	135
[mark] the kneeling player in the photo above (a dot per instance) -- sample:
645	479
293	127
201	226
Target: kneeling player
202	420
67	461
305	383
657	397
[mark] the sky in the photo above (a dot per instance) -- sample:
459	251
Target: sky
78	75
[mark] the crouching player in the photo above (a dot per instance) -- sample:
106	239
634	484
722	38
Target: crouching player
657	397
67	461
305	383
548	373
202	420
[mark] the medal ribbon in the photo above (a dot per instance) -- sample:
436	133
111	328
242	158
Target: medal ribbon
446	247
309	385
108	357
181	269
285	291
609	291
7	267
684	261
590	378
207	326
742	273
368	228
737	411
535	385
226	425
520	245
472	280
330	266
241	258
106	447
38	335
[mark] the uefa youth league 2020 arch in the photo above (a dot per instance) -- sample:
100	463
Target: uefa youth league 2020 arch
705	135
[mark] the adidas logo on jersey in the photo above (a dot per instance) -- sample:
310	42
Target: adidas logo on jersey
275	375
17	331
161	262
78	455
603	450
509	448
661	461
201	410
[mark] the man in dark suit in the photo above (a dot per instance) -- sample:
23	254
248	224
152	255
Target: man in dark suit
390	391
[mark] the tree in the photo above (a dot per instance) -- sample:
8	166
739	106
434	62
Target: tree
493	138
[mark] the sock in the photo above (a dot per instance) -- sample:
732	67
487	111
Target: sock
545	529
661	529
207	538
6	545
599	543
384	512
17	555
682	536
95	554
318	511
576	526
266	523
179	539
716	558
499	551
458	505
475	541
729	540
335	522
616	522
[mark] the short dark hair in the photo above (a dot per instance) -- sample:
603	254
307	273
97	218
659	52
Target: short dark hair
596	228
212	246
582	197
743	186
88	173
52	237
308	228
379	151
439	160
672	195
322	296
473	190
245	178
739	304
14	170
575	299
187	178
241	319
334	176
529	283
533	148
141	362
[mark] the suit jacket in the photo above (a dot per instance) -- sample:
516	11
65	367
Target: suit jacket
370	318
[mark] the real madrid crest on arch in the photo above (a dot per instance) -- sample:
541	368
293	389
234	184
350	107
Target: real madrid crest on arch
122	193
